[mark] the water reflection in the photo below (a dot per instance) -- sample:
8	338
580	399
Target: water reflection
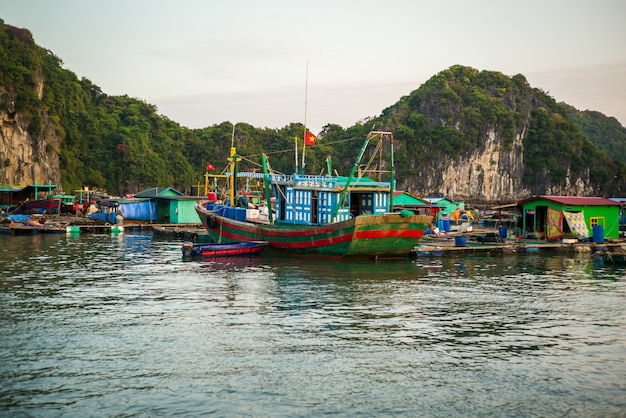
120	324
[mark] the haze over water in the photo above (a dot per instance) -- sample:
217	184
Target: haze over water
100	325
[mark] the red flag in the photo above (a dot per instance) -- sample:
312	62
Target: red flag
309	139
209	167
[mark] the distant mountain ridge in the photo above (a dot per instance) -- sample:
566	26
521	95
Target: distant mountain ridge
477	135
483	136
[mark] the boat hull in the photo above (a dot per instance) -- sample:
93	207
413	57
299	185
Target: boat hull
371	236
234	249
38	206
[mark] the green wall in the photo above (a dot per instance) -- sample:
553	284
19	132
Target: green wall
610	215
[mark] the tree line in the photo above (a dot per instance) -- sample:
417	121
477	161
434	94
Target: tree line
121	144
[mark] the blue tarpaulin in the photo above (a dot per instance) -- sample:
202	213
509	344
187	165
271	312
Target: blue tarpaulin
138	209
18	218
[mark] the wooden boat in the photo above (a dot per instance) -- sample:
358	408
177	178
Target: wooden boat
320	215
230	249
48	206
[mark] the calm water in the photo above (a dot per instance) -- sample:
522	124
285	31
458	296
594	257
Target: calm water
101	325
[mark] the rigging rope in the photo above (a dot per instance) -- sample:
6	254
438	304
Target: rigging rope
293	149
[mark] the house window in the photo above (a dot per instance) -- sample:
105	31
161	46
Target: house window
598	220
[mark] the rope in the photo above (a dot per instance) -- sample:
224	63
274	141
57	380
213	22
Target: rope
293	149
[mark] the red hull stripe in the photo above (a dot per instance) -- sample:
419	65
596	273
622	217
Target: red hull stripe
286	233
232	251
378	234
407	233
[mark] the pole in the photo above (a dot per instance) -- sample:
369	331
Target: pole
306	92
392	180
266	186
347	186
295	140
234	158
232	138
233	173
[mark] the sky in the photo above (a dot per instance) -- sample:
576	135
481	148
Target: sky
270	63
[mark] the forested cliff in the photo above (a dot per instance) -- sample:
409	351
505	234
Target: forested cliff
484	136
477	135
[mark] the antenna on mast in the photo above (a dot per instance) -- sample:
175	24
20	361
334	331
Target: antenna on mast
232	138
306	92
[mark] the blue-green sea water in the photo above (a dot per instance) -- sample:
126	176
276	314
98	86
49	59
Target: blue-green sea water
121	326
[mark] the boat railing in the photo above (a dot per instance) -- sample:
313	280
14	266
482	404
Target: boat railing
274	178
318	182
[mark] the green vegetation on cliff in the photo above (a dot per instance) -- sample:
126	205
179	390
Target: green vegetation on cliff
454	111
122	144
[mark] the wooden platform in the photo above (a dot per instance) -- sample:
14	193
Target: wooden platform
31	230
60	229
448	244
190	233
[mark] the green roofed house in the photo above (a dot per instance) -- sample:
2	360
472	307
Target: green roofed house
553	217
170	205
447	206
404	200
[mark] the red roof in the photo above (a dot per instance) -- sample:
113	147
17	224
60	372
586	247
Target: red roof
574	200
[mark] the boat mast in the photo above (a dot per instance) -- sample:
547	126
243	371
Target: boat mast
344	192
370	136
295	140
306	92
392	187
266	186
234	159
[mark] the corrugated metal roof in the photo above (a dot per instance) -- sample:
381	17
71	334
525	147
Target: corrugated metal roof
157	192
574	200
404	198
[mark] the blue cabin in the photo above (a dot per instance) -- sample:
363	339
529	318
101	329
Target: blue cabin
312	200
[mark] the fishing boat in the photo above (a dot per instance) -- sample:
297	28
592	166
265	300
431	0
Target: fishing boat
325	215
47	206
229	249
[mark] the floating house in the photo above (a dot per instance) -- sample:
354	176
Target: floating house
622	213
14	196
553	217
405	200
446	205
163	205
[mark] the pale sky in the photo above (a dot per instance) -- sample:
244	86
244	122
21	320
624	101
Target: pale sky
203	62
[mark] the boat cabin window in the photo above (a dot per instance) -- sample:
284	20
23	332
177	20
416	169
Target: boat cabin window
314	206
361	203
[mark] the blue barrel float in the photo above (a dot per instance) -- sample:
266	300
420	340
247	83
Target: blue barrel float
598	233
446	225
240	214
460	241
502	232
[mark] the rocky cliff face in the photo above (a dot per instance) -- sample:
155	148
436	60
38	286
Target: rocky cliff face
25	158
485	137
489	174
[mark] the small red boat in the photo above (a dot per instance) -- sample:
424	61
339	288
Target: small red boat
228	249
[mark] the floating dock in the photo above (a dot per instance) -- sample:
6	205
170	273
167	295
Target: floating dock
489	242
60	229
189	233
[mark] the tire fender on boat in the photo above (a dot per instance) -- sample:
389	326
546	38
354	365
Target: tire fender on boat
210	221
